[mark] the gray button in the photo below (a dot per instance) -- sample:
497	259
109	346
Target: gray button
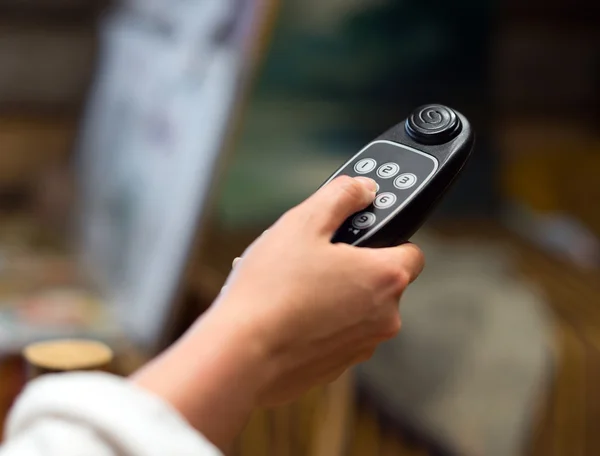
384	200
364	166
363	220
388	170
404	181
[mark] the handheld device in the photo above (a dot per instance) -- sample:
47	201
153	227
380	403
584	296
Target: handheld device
414	164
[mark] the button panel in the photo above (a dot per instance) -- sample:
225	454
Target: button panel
400	172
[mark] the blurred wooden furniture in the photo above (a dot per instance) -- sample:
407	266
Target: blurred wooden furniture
569	417
30	144
48	50
322	421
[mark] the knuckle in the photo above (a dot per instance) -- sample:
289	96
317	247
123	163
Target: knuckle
419	257
335	376
366	355
394	277
393	327
402	279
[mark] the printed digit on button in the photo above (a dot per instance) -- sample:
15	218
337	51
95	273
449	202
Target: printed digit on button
404	181
388	170
363	220
384	200
364	166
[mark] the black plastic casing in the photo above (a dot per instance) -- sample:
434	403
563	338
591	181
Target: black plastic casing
452	156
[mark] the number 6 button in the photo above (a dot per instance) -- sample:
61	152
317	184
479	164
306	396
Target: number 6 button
364	220
384	200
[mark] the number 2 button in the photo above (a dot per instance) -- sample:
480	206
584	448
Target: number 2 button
388	170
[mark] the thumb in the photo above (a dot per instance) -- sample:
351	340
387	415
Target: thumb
333	203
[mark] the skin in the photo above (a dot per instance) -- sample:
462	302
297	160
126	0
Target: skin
296	311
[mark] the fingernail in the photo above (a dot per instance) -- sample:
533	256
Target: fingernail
368	182
235	261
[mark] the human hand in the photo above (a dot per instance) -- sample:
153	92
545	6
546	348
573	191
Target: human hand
317	307
296	312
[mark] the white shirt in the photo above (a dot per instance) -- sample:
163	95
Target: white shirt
97	414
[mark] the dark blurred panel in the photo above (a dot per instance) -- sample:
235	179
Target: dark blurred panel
57	9
48	51
547	60
44	67
47	61
379	61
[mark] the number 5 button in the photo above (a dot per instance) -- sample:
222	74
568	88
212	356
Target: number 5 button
384	200
364	220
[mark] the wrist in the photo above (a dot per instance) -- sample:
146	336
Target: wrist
213	376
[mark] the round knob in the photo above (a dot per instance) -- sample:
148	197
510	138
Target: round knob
433	124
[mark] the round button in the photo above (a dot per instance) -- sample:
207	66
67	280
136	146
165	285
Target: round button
388	170
404	181
363	220
364	166
433	124
384	200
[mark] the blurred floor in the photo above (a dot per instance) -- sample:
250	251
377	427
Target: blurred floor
569	422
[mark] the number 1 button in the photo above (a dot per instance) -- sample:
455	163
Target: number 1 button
364	166
364	220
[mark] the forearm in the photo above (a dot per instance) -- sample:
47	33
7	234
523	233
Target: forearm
212	376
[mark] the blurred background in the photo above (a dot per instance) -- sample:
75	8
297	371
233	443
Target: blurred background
500	351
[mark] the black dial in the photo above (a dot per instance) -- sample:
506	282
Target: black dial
414	163
433	124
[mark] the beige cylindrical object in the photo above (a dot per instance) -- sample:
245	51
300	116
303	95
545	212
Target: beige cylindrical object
66	355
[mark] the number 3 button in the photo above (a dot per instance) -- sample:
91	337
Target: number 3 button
364	220
384	200
404	181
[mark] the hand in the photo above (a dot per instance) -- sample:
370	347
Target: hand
296	312
318	307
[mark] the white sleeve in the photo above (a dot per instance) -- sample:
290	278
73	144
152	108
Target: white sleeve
97	414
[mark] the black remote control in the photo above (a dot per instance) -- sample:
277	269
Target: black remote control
414	164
